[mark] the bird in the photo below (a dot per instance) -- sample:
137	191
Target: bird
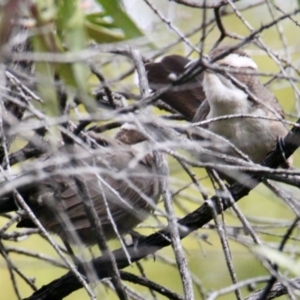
129	185
162	73
236	91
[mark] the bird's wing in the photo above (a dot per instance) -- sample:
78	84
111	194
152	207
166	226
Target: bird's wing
123	195
259	90
184	98
202	112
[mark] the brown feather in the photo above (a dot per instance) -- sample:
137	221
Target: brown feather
128	207
184	98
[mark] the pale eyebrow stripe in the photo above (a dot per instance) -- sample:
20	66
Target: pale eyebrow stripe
238	61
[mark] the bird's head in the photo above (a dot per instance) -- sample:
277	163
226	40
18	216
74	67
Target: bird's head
217	85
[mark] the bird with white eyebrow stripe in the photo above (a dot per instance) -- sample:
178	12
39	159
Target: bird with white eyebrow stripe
225	93
255	137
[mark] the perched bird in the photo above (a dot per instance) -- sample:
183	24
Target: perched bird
227	93
184	98
114	177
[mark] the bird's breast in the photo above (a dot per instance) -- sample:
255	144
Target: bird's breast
253	136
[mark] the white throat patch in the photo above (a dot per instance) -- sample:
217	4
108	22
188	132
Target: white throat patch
238	61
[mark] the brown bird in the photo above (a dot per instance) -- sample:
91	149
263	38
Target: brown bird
184	98
131	192
220	94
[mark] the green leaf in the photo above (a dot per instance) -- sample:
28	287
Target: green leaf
45	88
71	28
120	18
103	35
44	13
99	19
